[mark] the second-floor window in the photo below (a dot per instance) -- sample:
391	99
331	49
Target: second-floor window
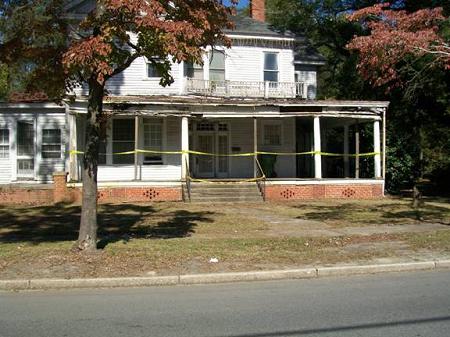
271	67
217	66
193	70
4	143
153	71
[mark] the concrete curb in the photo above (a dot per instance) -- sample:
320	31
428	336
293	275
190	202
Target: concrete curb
304	273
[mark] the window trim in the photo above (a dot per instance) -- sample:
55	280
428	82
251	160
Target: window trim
162	123
269	70
263	132
61	144
149	78
110	150
8	144
210	58
194	66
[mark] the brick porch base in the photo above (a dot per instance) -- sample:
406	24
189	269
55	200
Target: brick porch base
60	192
318	191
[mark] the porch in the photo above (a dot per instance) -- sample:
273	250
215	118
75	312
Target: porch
306	149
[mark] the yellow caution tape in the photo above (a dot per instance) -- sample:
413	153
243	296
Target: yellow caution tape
246	154
251	180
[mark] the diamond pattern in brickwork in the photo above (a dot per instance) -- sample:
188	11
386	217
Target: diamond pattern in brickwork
288	193
151	194
348	192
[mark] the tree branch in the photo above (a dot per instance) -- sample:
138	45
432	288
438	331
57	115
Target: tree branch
124	65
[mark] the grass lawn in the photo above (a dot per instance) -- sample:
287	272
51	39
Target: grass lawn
171	238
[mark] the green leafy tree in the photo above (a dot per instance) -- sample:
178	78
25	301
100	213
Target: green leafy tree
3	82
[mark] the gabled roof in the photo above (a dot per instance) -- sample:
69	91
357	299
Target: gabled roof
304	53
79	6
244	25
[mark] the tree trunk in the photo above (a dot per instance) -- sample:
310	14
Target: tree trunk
87	237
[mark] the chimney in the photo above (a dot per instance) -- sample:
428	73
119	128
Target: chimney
258	10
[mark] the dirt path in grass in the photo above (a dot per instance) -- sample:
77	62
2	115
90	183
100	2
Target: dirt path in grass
282	225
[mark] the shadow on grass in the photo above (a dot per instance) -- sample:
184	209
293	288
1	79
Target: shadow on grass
391	212
117	222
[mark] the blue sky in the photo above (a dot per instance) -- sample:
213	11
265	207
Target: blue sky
242	3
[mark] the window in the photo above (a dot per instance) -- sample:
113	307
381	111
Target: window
271	67
51	143
193	70
217	66
25	139
153	140
272	134
4	143
123	141
102	152
205	126
153	71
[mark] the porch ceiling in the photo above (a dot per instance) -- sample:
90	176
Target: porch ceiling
200	106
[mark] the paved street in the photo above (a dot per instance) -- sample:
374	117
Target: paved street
406	304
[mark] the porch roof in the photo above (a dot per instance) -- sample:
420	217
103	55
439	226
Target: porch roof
210	107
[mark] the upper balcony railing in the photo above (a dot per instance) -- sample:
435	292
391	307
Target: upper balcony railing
246	88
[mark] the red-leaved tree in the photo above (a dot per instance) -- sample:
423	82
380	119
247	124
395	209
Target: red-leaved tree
394	36
101	45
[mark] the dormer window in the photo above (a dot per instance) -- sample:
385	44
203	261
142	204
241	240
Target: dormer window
271	67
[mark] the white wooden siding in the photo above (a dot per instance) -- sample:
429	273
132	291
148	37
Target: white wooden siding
169	171
44	168
308	75
285	166
242	63
7	122
241	139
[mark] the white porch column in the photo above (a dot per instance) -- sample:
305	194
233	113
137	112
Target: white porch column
346	151
377	148
184	145
317	149
136	146
357	152
182	88
255	146
73	156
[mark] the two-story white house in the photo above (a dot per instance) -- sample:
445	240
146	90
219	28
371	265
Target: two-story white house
248	117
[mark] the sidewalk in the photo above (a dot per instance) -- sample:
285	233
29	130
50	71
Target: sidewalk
304	273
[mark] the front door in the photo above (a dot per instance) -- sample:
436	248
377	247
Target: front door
211	138
25	150
222	161
205	164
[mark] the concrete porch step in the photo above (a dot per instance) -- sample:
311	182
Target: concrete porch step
219	199
224	192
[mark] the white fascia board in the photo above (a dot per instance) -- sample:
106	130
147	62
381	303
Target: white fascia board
353	104
260	37
46	105
313	63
